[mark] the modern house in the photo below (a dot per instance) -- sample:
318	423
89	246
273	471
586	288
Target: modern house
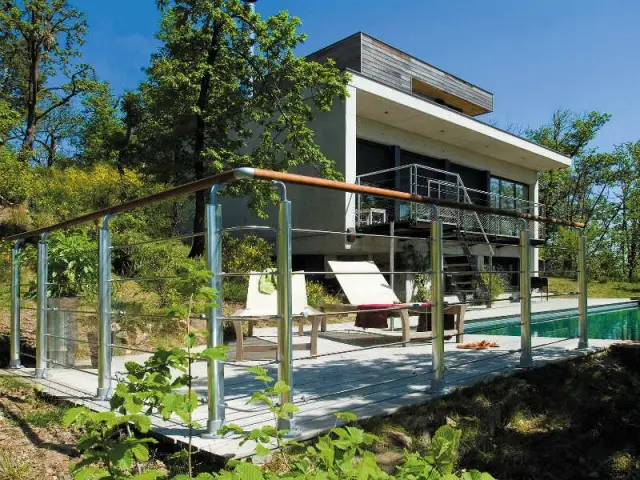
410	126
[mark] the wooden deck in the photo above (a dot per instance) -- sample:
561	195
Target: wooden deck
358	374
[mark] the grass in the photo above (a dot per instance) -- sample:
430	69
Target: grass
596	289
33	442
35	409
13	469
572	420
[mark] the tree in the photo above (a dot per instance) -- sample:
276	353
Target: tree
576	192
102	135
625	224
226	90
41	40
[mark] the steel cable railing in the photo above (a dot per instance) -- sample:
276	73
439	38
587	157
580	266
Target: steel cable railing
122	326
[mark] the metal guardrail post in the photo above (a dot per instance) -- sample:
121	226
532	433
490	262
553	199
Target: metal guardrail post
583	333
525	298
437	308
215	368
392	265
41	307
14	360
285	330
104	309
491	274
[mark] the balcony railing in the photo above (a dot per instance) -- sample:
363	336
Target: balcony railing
435	183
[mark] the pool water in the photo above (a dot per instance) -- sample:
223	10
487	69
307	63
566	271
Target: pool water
621	324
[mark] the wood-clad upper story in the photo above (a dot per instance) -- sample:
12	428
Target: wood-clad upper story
390	66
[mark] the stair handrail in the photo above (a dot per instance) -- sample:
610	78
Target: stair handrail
475	214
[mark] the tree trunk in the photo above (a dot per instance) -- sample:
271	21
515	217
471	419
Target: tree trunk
633	251
197	248
51	154
32	93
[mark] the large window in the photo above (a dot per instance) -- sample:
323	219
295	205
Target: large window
508	195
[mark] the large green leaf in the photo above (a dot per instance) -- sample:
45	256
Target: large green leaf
91	473
140	452
149	475
214	353
121	456
248	471
73	415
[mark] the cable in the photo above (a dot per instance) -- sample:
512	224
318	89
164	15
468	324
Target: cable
72	339
159	240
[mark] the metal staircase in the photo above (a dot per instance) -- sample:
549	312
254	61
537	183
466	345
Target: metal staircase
464	279
466	228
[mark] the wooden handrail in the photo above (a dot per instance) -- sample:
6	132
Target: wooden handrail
287	178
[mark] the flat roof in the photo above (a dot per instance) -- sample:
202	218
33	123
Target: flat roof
416	114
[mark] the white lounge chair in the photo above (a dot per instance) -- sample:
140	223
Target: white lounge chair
264	307
363	284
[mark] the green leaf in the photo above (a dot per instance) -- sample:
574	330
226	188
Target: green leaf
142	422
132	404
205	476
170	403
280	387
287	409
261	374
72	415
190	340
91	473
248	471
259	397
475	475
140	452
217	353
121	456
149	475
346	416
262	451
230	428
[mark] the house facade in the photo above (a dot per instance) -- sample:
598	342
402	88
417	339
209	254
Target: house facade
409	126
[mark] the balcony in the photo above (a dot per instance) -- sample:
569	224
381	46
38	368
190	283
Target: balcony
434	183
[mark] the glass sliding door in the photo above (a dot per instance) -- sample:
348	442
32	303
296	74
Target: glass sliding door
508	195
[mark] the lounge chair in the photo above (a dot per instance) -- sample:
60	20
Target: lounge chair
264	307
364	286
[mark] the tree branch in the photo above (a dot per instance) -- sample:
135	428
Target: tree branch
75	91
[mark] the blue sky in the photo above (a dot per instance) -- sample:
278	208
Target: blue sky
535	56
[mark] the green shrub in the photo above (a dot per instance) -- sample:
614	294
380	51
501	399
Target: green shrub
153	265
421	288
249	253
317	295
497	283
73	264
16	180
235	291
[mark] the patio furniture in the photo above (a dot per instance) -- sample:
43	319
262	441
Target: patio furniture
542	284
453	322
365	287
263	307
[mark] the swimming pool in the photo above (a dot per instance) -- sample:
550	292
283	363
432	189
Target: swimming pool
621	322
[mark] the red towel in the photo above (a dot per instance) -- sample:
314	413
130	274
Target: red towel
376	319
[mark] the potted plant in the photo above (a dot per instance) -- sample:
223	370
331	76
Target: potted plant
73	273
421	294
